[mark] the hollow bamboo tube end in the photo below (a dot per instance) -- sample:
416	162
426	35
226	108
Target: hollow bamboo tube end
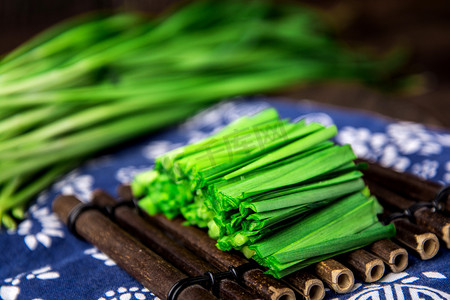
435	222
398	260
337	276
314	290
427	245
343	280
446	235
393	255
367	266
267	286
423	242
284	295
309	286
374	270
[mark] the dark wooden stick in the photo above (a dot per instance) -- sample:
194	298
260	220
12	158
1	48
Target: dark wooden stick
393	255
337	276
388	198
405	184
435	222
367	266
422	242
431	220
308	285
124	192
156	240
200	243
143	264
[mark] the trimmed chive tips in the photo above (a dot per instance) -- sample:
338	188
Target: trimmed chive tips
280	192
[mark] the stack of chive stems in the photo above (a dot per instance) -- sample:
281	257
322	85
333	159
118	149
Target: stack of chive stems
99	80
283	193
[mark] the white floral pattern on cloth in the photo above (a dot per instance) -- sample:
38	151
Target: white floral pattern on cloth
123	293
39	228
426	168
11	289
393	147
413	138
373	146
76	184
446	177
400	286
97	254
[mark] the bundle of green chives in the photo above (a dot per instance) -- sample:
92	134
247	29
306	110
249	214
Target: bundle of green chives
99	80
281	192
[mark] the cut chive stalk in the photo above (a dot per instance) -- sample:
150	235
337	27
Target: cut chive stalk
278	203
365	237
305	197
288	150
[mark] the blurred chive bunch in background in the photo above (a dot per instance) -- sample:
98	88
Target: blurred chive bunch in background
98	80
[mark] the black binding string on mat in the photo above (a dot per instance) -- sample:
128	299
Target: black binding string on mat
76	212
438	204
441	198
407	213
209	280
133	203
111	209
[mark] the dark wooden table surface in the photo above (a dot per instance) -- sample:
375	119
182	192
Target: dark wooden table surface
377	26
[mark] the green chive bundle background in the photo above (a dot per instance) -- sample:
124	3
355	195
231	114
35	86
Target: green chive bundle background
98	80
280	192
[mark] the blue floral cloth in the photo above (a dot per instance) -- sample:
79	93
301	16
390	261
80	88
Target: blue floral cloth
42	260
